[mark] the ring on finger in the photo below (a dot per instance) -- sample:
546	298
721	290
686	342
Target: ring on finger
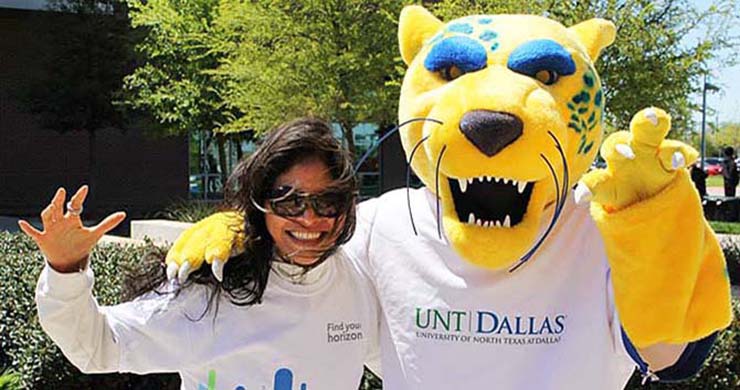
72	210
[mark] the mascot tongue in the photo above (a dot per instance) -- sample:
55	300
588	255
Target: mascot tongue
490	201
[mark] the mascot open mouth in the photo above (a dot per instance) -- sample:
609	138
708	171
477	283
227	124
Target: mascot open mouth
489	201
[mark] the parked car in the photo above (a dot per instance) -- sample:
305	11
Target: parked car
713	165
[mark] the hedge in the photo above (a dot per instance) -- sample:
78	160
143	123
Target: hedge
39	364
26	349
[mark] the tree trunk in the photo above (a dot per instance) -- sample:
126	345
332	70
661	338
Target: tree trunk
221	143
349	137
238	145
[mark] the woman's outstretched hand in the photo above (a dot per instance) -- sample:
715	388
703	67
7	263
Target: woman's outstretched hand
64	241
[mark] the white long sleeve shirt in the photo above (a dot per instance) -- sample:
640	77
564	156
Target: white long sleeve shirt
314	336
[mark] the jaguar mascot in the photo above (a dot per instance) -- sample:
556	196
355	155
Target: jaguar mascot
514	267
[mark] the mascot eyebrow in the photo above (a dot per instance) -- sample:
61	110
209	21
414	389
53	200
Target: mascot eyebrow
463	52
541	54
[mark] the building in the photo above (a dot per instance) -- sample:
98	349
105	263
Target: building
127	170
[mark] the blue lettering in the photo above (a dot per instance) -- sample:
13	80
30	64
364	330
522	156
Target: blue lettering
505	324
546	324
519	326
532	330
559	324
481	318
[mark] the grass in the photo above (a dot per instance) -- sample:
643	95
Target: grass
725	227
715	181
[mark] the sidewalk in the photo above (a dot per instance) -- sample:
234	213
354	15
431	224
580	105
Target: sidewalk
716	191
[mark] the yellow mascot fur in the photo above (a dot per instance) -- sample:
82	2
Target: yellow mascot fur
517	110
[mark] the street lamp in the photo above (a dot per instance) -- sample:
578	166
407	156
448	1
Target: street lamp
707	87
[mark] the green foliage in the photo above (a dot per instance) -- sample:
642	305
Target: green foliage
328	58
189	211
27	349
232	65
653	60
731	249
37	362
9	381
721	370
725	227
717	138
171	81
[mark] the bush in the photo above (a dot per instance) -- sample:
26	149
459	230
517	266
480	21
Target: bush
731	248
10	381
39	364
190	211
720	371
25	347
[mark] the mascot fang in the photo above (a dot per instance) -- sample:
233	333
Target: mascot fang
503	117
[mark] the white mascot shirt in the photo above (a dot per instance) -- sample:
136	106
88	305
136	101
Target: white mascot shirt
450	325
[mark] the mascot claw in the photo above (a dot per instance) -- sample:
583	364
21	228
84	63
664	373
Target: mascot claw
626	151
678	161
213	240
582	194
182	272
217	268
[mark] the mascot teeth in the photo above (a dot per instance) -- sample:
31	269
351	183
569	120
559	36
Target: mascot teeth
489	201
477	221
520	185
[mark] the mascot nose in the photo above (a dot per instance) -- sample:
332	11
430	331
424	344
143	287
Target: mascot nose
490	131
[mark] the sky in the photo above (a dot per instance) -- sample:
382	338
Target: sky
727	101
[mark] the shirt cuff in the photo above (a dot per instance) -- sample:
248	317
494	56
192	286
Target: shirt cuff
65	286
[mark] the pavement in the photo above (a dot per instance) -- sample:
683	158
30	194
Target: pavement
10	224
716	191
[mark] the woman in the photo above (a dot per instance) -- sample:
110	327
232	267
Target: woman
291	309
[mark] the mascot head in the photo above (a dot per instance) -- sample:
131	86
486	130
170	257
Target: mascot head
514	109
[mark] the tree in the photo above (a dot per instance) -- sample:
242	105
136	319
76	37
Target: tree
172	82
717	138
331	58
652	62
83	65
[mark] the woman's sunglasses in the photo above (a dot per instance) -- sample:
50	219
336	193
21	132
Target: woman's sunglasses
327	204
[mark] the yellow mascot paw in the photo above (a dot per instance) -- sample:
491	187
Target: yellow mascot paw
213	239
640	163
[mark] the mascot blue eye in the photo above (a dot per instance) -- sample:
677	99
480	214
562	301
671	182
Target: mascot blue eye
454	56
542	59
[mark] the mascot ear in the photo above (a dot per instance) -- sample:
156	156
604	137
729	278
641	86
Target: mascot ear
415	25
595	34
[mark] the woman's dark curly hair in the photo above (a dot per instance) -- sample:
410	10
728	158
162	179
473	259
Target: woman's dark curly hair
245	276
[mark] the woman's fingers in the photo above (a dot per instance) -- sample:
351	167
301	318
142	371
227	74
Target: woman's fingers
29	230
46	216
53	212
57	204
108	224
78	199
